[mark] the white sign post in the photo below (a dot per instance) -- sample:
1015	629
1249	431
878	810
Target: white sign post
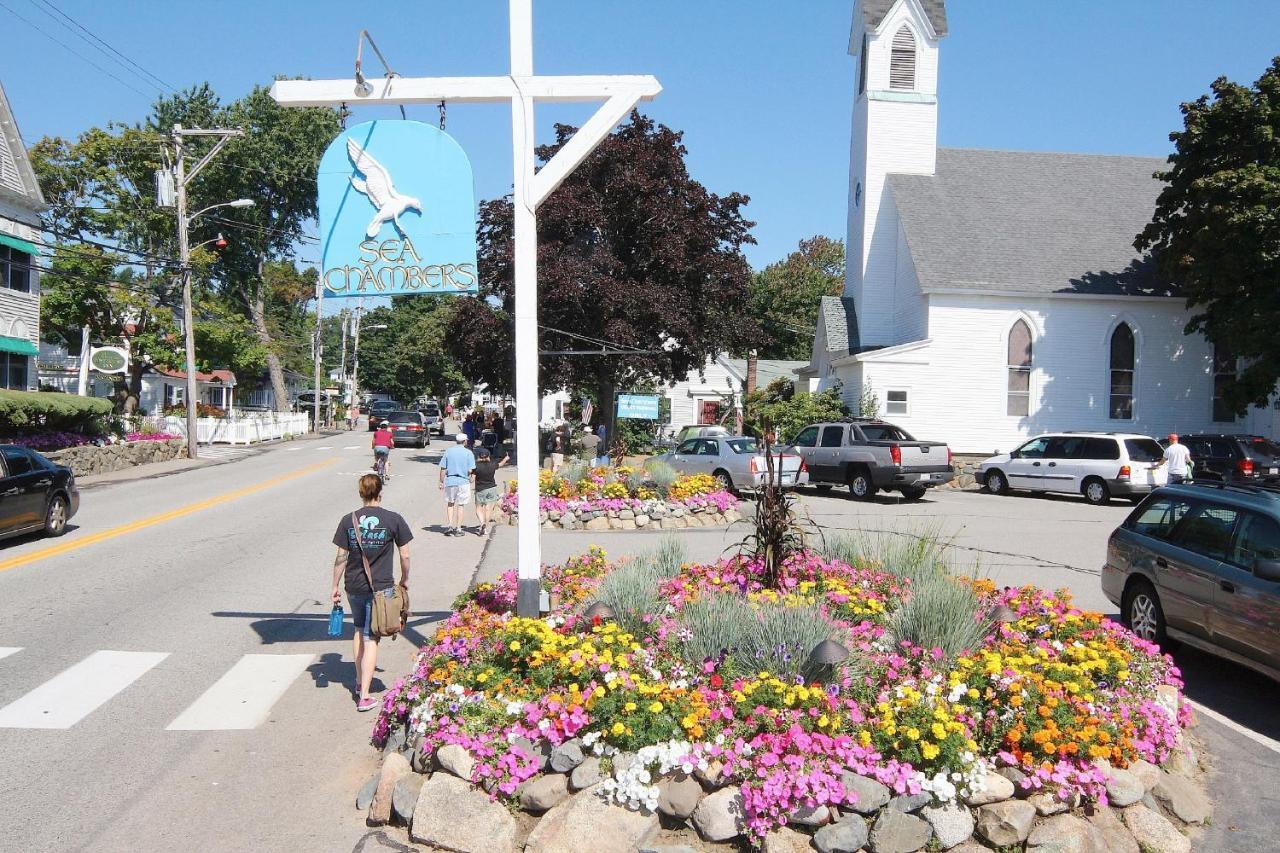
521	89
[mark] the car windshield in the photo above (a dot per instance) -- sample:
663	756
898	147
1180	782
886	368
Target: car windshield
743	445
403	417
1143	449
430	409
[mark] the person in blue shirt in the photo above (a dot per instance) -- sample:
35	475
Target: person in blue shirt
602	433
456	466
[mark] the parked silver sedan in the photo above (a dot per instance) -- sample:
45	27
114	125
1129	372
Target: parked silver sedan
737	462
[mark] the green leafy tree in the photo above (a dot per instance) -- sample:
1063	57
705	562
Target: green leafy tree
633	252
785	296
1216	233
779	410
408	358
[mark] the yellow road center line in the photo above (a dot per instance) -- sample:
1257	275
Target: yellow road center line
151	521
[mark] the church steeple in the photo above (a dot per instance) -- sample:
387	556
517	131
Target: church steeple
895	129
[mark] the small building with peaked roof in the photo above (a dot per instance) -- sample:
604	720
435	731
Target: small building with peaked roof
21	204
994	295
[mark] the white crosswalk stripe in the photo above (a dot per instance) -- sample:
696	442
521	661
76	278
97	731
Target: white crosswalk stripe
5	651
226	451
242	698
73	694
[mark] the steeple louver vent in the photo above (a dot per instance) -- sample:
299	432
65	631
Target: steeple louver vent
902	60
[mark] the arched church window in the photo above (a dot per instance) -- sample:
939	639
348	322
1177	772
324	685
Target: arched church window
1224	376
902	60
1122	361
1019	370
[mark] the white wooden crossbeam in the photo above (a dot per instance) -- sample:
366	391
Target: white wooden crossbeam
463	90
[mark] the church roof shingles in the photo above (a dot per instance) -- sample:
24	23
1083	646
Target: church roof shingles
873	12
840	323
1029	222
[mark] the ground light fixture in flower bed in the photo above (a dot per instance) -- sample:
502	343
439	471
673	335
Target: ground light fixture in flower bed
582	497
713	708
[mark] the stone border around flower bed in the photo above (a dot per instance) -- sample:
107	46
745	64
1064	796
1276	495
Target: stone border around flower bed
1153	810
672	516
90	459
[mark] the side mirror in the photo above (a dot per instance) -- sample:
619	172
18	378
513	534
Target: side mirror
1267	570
1015	454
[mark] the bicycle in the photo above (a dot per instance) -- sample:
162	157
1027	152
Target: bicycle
380	466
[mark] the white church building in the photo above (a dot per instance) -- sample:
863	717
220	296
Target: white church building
993	295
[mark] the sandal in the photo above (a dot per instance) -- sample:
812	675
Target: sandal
367	704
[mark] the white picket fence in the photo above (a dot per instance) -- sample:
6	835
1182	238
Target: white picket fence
242	428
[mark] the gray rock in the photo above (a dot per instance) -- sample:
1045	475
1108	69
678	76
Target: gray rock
585	774
1153	832
952	823
804	816
600	523
543	792
666	848
910	802
899	832
365	795
540	750
395	741
622	762
1116	837
1183	798
713	777
642	521
1146	772
678	795
1123	788
404	797
1005	823
1066	834
869	795
567	756
847	836
1047	803
394	765
626	513
785	840
994	789
452	814
1180	762
1014	775
586	822
421	759
719	816
456	760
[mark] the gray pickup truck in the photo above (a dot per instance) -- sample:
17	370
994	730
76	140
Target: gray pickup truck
869	456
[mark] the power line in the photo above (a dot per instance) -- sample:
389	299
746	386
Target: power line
144	73
72	51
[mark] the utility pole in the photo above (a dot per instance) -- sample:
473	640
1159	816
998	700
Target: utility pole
181	178
342	362
355	351
319	345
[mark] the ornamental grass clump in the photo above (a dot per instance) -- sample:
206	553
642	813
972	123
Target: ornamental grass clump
713	628
669	556
632	592
912	554
942	613
782	638
574	471
662	475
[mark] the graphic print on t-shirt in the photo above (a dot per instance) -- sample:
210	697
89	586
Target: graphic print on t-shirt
372	537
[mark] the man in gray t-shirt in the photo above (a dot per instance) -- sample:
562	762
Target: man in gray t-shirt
590	444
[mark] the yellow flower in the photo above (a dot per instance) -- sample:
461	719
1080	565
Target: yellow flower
655	708
515	646
630	706
598	692
618	728
939	731
913	733
929	751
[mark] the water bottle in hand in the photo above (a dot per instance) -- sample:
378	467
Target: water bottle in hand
335	621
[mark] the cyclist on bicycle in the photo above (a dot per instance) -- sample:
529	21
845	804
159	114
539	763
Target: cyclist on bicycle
383	441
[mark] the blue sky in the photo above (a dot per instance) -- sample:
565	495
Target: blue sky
761	88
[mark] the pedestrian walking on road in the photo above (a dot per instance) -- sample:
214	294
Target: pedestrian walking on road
1178	458
469	429
353	415
456	466
559	447
378	532
485	481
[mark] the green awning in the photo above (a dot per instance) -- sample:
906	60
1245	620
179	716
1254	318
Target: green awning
18	346
19	244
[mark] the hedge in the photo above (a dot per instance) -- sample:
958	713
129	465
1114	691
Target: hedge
31	411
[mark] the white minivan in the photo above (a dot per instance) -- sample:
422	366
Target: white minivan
1098	465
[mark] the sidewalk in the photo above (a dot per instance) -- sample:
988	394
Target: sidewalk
178	466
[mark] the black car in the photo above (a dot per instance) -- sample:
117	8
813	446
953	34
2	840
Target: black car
35	494
1228	458
381	410
409	428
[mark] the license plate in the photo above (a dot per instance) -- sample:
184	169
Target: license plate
1273	470
924	477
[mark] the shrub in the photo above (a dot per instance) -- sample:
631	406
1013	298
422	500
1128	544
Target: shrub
574	471
662	475
669	556
712	626
941	613
42	411
632	591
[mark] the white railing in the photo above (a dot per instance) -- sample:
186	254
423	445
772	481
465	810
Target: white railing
241	429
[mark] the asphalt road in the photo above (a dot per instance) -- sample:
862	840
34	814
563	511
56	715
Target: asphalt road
165	674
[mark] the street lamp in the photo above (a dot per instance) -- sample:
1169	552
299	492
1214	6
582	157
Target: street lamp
188	315
355	354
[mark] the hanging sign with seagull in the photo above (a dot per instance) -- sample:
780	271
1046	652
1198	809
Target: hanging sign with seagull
397	212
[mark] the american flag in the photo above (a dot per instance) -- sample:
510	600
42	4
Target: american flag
587	409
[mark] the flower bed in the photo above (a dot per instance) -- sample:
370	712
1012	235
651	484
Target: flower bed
604	498
701	673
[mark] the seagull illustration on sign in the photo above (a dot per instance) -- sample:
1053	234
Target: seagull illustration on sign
377	187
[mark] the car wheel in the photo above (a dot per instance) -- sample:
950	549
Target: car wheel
996	483
913	493
1095	491
722	477
55	518
860	485
1143	614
